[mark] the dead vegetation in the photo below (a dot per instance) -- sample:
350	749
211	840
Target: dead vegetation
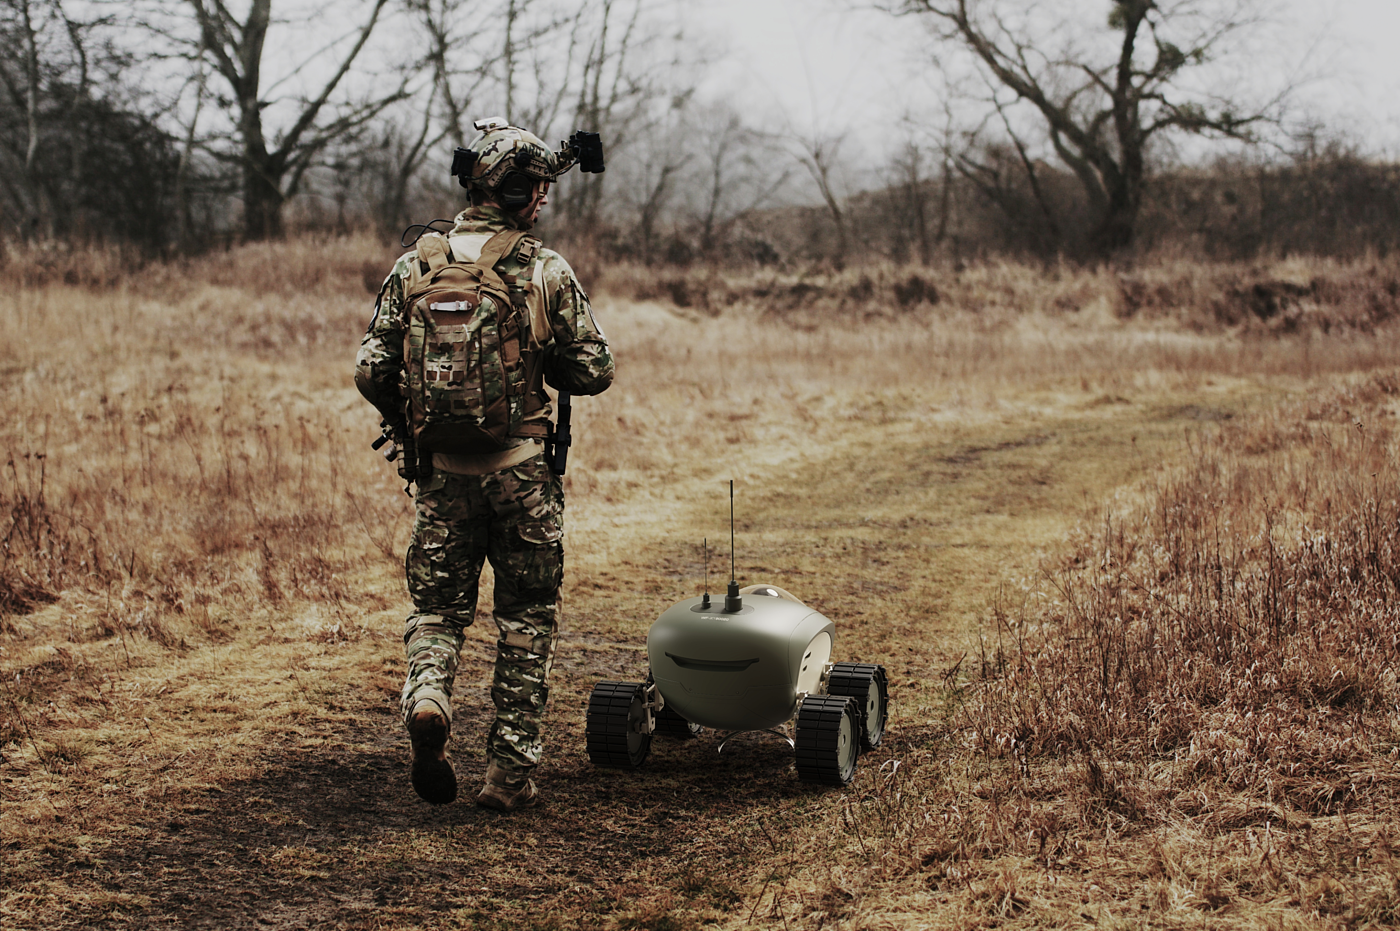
1187	717
1291	296
1181	713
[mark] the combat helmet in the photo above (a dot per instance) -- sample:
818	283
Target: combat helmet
504	162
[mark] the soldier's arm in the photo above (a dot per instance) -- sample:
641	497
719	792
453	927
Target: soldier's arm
578	359
379	363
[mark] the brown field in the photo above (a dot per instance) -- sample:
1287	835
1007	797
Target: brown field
1127	542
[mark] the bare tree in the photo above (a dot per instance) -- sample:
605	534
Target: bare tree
44	46
549	65
491	53
818	152
273	160
739	173
80	153
623	65
438	20
1103	103
658	163
1004	171
909	196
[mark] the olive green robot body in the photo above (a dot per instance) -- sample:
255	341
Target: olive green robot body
743	670
759	661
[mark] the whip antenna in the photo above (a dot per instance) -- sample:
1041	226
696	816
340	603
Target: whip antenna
705	545
732	601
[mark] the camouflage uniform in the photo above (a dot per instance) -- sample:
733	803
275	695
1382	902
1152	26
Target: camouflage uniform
507	508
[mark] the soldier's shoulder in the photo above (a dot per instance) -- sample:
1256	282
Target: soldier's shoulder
404	266
556	268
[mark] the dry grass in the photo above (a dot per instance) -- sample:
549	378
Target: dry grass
200	601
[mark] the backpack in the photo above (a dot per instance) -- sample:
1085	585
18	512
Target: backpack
473	369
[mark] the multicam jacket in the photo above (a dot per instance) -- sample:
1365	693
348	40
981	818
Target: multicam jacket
576	357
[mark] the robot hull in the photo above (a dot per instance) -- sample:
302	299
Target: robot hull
740	670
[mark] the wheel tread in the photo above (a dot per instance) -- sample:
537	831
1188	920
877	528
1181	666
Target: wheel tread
819	738
670	723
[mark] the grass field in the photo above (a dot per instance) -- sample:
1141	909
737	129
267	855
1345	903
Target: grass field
1126	543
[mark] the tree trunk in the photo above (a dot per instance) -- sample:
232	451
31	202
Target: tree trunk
262	198
236	52
1117	225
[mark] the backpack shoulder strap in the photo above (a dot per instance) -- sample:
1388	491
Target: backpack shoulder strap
497	248
432	251
529	258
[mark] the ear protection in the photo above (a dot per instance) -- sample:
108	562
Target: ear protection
515	190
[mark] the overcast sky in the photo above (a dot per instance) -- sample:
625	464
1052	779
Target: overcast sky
791	58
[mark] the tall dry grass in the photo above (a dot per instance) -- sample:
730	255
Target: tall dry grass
185	443
1244	628
1296	295
178	441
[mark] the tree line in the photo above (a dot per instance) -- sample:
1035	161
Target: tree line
1058	131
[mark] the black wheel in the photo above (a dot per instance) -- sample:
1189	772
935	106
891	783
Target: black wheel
669	723
616	725
828	736
867	686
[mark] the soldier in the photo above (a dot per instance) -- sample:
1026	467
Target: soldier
506	506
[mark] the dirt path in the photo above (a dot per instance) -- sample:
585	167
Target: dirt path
901	534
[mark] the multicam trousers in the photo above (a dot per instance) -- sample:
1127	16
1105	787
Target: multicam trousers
514	518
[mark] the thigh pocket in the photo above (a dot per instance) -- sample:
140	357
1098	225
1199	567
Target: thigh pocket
537	556
540	531
425	555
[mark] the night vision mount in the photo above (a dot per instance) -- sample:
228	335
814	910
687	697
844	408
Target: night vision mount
584	149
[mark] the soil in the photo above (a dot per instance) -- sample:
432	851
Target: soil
299	845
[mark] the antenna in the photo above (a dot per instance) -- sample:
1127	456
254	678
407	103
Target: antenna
705	545
732	601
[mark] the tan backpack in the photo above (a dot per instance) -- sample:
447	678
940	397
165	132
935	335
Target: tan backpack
473	369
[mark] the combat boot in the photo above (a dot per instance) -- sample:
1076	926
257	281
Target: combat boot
432	775
507	790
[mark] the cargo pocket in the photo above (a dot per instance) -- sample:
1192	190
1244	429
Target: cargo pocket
538	531
425	555
538	560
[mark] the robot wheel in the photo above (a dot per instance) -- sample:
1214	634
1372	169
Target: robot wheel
869	690
616	727
828	739
669	723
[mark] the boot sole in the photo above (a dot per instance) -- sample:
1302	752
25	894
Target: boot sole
432	778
